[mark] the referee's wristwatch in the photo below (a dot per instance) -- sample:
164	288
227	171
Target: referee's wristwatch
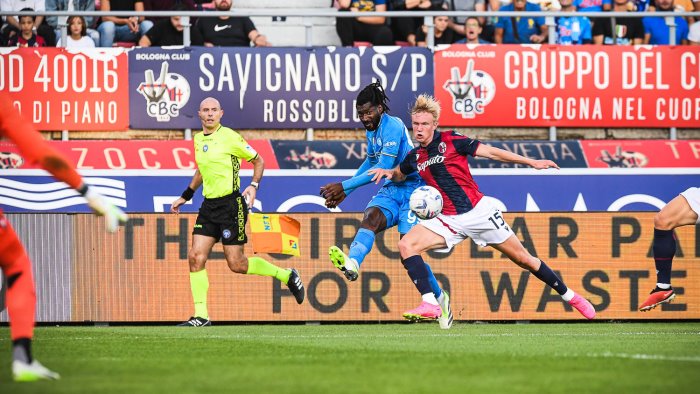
256	185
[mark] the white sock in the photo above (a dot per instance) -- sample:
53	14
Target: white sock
441	299
430	298
569	295
664	286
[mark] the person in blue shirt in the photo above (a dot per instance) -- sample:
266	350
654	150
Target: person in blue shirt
388	143
593	5
656	32
520	30
572	30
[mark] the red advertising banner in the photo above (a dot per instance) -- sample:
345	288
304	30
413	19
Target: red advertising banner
138	155
570	86
61	89
641	154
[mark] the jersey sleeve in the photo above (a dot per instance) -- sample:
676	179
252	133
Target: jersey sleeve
240	148
464	145
33	147
391	144
408	165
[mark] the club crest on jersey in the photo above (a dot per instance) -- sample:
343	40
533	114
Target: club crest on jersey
442	147
165	96
205	148
472	92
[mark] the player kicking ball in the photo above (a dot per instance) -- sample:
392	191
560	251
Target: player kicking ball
441	160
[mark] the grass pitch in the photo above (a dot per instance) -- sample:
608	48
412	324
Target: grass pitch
388	358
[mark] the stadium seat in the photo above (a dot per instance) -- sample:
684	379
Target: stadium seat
123	44
361	44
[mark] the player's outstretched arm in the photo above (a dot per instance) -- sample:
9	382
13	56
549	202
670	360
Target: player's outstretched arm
493	153
35	149
378	174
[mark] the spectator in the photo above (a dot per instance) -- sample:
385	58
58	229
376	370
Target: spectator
656	32
443	35
572	30
77	34
405	28
694	34
593	5
117	28
12	28
473	29
523	30
458	23
72	5
363	28
26	36
167	5
227	31
628	31
167	32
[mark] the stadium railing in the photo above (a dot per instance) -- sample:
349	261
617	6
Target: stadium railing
308	14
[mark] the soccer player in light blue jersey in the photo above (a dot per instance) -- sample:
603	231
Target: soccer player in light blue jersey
388	142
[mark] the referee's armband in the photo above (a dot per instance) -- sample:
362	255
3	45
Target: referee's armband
187	194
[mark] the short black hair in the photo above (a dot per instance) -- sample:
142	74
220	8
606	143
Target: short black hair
374	94
27	9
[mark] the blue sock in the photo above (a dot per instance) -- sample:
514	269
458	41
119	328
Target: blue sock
361	245
433	282
664	250
546	275
418	273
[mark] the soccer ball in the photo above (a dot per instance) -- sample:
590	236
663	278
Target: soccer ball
426	202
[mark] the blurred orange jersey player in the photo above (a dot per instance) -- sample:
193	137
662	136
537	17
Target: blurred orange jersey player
15	264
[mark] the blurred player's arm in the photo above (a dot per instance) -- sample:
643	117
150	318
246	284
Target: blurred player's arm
35	150
187	195
494	153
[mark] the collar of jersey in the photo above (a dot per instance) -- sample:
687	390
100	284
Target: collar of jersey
217	129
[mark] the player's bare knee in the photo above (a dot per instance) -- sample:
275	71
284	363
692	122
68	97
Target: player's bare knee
197	260
238	265
662	222
407	247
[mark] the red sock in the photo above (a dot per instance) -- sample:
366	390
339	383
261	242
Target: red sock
21	297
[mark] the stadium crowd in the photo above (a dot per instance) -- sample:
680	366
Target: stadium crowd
37	31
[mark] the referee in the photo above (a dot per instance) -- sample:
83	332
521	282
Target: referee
223	214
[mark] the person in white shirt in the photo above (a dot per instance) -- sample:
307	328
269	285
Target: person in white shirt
694	33
77	34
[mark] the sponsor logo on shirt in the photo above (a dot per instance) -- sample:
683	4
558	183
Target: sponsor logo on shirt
430	162
218	28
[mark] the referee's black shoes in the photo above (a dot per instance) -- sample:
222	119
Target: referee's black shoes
295	286
195	322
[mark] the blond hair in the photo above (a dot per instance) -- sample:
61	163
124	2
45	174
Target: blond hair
427	103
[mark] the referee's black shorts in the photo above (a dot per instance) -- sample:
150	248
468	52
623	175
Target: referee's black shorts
224	219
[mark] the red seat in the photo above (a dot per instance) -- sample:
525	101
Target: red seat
361	44
124	44
402	43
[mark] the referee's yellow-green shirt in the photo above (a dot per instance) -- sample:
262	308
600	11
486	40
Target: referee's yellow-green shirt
218	156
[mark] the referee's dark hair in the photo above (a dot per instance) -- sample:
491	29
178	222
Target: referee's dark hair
374	94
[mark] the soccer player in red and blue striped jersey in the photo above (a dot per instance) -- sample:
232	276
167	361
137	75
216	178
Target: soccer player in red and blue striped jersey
441	160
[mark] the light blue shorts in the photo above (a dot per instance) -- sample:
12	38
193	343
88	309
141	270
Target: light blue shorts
392	199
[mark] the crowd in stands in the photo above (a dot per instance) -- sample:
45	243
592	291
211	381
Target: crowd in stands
108	31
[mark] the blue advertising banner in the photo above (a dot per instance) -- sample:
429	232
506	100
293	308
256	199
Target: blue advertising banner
297	191
318	155
270	88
